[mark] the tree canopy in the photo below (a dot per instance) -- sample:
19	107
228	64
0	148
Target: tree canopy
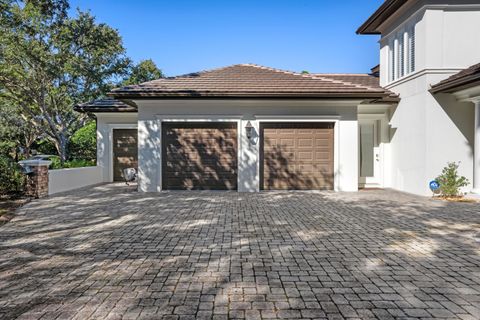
50	61
144	71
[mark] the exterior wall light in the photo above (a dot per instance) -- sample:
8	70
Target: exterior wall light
249	130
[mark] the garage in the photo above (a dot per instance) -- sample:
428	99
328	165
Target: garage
297	156
125	151
199	156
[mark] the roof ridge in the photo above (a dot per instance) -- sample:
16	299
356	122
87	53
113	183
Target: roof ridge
344	74
202	71
307	75
295	73
357	85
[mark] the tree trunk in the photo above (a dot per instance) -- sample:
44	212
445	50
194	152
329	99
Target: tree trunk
26	150
61	146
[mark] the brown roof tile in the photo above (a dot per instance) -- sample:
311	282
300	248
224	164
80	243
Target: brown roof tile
252	81
104	105
464	79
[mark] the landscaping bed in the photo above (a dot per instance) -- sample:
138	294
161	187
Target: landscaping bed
8	205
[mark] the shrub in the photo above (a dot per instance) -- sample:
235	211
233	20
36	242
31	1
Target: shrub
76	163
45	146
83	144
12	179
450	182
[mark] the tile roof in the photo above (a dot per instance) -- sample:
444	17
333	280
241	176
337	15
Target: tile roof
104	105
464	79
254	81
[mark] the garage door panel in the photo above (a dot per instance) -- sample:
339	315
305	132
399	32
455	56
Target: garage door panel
323	155
305	143
305	163
199	156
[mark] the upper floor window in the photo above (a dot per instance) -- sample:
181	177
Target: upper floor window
401	54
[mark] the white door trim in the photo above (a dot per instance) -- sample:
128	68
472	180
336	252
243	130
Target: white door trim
111	127
384	140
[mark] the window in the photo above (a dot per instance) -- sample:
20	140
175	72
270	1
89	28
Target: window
402	54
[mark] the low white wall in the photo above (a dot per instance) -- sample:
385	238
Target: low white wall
60	180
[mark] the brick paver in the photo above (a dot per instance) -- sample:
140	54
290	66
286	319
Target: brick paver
112	253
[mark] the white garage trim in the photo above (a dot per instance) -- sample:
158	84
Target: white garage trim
303	119
111	127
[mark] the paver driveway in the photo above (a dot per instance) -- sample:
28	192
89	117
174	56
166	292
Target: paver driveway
110	252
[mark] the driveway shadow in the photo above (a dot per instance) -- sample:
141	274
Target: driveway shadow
112	252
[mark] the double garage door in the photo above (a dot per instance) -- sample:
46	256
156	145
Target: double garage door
293	156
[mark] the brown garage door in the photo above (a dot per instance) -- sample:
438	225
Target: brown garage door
199	156
124	151
297	156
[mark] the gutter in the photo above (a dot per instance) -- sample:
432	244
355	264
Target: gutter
460	83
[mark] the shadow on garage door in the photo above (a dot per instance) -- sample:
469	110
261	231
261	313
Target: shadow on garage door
199	156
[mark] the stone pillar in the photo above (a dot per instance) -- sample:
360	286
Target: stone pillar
476	151
37	177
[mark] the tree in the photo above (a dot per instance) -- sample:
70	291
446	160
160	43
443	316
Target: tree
49	62
17	135
144	71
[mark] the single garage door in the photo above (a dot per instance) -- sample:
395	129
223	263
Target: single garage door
125	151
199	156
297	156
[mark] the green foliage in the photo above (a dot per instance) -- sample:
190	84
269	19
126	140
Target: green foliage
45	146
78	163
16	131
7	147
83	144
11	178
305	72
144	71
50	61
450	182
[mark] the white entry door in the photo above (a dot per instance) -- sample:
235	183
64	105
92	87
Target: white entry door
369	153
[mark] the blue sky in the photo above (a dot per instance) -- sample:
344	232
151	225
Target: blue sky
184	36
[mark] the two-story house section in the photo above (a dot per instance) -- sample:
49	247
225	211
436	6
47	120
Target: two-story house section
422	43
250	128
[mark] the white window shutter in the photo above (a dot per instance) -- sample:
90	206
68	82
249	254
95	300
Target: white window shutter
411	49
401	56
391	50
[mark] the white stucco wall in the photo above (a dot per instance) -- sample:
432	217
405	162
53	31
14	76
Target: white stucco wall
446	36
428	131
61	180
106	122
153	112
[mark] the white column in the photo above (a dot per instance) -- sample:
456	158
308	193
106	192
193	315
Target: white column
476	151
248	155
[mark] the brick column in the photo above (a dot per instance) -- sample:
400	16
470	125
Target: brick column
37	177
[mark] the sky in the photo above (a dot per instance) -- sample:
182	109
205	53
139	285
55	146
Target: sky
183	36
